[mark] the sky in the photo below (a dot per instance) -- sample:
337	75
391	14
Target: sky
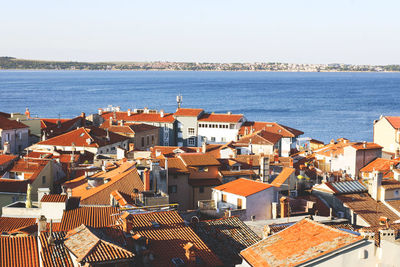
292	31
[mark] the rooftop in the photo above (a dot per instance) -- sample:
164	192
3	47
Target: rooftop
380	164
283	176
211	117
85	137
271	127
394	121
139	117
308	240
243	187
188	112
54	198
19	251
367	208
198	159
8	124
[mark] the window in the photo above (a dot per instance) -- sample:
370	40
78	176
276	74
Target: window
212	139
152	139
43	179
172	189
201	189
223	139
232	126
191	142
223	198
396	193
235	168
142	141
20	135
7	137
239	203
190	131
203	169
148	140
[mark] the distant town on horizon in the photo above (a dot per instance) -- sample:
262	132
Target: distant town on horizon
9	63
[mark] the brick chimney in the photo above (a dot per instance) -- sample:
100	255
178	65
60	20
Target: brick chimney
146	179
285	202
190	252
42	224
83	121
126	223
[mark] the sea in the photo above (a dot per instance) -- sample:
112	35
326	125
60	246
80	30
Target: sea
324	106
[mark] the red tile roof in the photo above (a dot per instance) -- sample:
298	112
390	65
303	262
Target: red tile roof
57	254
54	198
91	245
367	208
272	127
8	224
232	118
379	164
243	187
394	121
54	127
198	159
5	159
13	186
188	112
261	137
90	216
139	117
304	241
361	146
124	179
175	165
8	124
390	184
19	251
169	237
283	176
168	151
84	137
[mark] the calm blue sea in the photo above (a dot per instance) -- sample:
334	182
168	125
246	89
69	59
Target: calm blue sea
323	105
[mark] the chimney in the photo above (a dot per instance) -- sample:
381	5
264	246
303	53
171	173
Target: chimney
375	187
396	174
83	121
111	120
131	146
204	146
107	135
121	123
42	224
69	192
27	113
364	144
397	154
162	113
190	252
332	141
146	179
146	110
229	113
284	207
50	239
126	223
58	124
100	111
129	112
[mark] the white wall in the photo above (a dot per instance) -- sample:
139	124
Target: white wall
218	133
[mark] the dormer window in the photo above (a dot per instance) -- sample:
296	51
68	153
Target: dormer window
203	169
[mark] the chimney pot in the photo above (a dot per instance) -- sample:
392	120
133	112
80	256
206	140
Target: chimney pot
146	179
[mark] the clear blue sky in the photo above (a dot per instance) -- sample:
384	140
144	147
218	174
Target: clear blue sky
294	31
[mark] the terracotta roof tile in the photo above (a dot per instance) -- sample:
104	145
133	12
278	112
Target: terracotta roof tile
226	237
168	151
188	112
84	137
304	241
390	184
272	127
169	237
54	198
90	216
394	121
19	251
91	245
232	118
124	178
367	208
4	159
8	124
8	224
57	254
243	187
54	127
379	164
261	137
139	117
175	165
13	186
283	176
198	159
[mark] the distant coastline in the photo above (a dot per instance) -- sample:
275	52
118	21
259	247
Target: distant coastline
11	63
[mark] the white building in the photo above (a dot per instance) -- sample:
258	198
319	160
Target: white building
251	200
14	136
219	128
